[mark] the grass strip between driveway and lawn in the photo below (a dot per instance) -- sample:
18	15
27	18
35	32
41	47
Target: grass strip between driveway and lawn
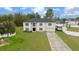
71	41
73	29
27	41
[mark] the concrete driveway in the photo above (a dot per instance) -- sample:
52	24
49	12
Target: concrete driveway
56	43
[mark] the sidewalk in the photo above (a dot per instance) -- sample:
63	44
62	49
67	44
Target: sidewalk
56	43
72	33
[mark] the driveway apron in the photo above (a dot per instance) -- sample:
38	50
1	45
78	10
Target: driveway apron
56	43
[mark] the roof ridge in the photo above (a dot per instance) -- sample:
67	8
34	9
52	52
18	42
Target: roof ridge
40	20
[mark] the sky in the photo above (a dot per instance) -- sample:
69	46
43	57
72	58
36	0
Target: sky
62	12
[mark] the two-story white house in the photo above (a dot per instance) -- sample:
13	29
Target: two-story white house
40	25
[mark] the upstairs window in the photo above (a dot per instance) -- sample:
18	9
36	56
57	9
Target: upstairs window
34	24
40	24
27	24
49	24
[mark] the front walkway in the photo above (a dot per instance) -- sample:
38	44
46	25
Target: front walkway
56	43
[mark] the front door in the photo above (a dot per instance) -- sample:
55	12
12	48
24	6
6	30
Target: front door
34	29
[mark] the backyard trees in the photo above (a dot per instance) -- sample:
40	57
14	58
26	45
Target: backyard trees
30	16
2	28
6	24
37	15
18	19
77	18
49	14
7	27
33	15
64	19
8	17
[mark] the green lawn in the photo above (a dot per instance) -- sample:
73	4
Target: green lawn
27	41
71	41
73	29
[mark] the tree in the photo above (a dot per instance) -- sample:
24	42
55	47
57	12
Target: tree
77	18
33	15
0	19
9	27
8	17
49	14
2	28
64	19
7	24
37	15
30	16
18	19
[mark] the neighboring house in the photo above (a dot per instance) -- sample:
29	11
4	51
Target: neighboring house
40	25
72	23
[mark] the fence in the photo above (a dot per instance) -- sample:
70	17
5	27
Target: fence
7	35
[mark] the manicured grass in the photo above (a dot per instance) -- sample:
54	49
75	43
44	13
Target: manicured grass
73	29
27	41
71	41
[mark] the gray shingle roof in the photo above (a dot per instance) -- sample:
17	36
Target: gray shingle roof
39	20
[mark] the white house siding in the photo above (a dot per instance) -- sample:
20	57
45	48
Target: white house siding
24	26
29	27
44	26
50	28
